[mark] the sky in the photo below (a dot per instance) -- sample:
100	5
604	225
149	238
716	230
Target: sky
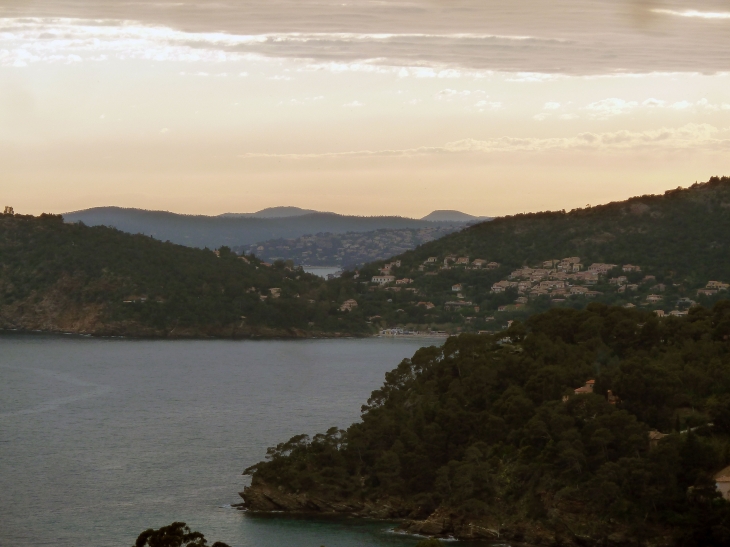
364	107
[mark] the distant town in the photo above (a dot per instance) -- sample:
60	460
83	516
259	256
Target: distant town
347	250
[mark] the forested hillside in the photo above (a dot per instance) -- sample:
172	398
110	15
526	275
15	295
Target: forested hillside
683	232
653	252
487	437
56	276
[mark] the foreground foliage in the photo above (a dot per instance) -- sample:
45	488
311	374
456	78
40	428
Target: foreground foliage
177	534
480	427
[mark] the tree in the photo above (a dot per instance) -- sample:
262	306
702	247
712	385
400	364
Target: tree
177	534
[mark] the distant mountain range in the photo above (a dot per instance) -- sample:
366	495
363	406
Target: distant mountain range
237	229
446	215
272	212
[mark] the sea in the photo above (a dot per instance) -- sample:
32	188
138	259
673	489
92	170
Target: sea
102	438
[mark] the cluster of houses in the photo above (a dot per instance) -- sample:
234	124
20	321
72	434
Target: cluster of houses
560	278
453	260
713	287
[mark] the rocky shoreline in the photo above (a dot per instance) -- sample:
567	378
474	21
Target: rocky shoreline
561	530
58	315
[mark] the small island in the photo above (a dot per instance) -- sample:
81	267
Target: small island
602	426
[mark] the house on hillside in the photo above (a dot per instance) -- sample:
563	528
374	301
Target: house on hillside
383	279
404	281
431	260
348	305
493	265
722	482
458	287
654	298
588	388
275	292
655	436
501	286
601	268
462	260
479	263
706	292
630	268
719	285
427	305
584	390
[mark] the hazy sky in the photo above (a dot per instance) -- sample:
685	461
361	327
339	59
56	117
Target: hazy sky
363	107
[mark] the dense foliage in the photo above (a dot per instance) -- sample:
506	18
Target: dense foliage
482	428
177	534
50	266
680	237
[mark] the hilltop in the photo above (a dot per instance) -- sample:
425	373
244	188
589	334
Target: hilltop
664	252
233	229
448	215
62	277
273	212
600	427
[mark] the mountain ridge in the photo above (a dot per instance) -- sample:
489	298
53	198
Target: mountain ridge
215	231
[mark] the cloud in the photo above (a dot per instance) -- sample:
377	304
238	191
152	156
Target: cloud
687	137
484	106
353	104
583	43
694	13
452	94
608	108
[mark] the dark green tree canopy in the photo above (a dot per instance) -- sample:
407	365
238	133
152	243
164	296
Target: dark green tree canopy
177	534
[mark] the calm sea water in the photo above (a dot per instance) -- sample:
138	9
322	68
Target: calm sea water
102	438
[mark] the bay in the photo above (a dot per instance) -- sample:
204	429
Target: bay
102	438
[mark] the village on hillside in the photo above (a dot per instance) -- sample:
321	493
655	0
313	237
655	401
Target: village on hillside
454	293
346	250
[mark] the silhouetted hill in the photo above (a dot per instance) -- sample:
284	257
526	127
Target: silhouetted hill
446	215
209	231
272	212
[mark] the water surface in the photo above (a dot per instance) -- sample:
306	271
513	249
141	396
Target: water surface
102	438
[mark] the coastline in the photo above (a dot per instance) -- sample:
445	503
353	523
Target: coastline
561	529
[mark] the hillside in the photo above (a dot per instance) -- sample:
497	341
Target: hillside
665	253
232	229
61	277
347	250
490	437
